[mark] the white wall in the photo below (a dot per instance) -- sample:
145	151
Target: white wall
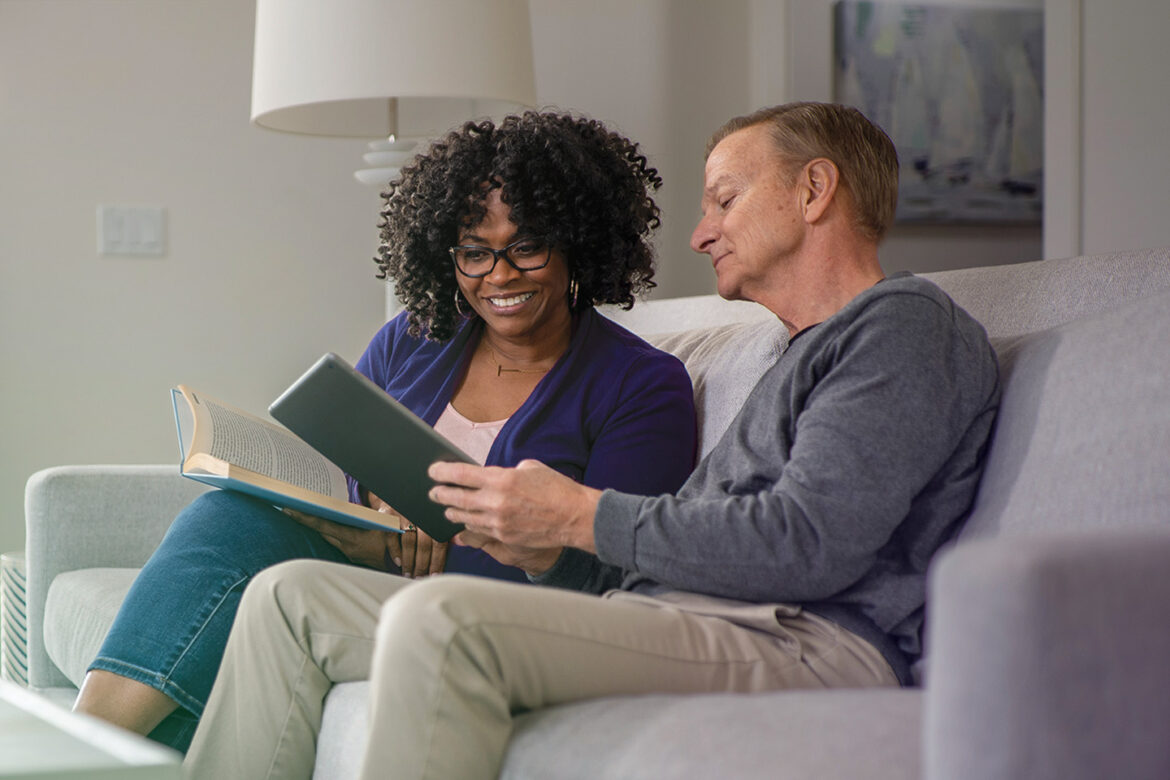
1125	103
1107	146
146	102
268	263
269	237
646	68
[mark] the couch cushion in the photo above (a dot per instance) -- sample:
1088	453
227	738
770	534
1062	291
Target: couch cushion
724	363
673	315
344	732
875	735
828	735
1083	428
79	610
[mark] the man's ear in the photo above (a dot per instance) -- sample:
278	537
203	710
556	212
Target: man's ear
818	186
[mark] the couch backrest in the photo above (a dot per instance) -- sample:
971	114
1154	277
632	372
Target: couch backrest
1082	439
1011	300
1043	318
673	315
1083	435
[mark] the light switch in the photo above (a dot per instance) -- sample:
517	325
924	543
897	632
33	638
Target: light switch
131	230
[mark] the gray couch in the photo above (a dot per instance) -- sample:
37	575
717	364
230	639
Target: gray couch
1047	634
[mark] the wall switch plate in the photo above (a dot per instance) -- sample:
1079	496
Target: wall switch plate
131	230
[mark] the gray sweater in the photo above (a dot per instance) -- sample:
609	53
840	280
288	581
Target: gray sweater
854	459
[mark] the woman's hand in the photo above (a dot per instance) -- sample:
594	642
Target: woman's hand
366	547
415	553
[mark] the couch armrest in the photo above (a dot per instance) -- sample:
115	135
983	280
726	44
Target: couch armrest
1049	658
80	517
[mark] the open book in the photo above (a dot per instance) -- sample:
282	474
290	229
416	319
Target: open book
226	447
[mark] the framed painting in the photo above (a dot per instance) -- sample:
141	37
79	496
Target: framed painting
960	91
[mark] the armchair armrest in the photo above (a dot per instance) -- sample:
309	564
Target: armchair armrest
1048	657
80	517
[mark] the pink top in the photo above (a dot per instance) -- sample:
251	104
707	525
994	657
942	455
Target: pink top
474	438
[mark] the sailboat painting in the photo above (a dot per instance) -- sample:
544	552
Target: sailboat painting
959	89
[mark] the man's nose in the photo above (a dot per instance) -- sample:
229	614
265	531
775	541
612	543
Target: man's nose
704	236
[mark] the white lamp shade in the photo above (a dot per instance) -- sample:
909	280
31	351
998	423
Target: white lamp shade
334	67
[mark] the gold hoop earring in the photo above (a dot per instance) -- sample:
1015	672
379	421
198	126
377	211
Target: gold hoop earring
459	309
574	288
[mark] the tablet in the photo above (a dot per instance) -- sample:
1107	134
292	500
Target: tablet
372	437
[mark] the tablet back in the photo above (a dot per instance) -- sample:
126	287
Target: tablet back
372	437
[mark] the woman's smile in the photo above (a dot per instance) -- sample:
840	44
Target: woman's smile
503	304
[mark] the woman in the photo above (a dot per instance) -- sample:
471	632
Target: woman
500	240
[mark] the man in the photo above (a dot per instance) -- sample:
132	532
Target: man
795	555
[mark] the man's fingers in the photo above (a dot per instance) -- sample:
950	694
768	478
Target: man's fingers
470	538
463	474
454	496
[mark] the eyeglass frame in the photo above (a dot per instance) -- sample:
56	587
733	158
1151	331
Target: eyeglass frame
498	253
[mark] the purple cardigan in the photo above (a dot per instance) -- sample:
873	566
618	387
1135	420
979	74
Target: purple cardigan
613	412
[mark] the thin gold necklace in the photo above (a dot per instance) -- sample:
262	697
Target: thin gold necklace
500	370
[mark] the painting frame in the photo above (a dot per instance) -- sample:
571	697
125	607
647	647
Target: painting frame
959	89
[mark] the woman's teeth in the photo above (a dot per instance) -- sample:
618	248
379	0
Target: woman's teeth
515	300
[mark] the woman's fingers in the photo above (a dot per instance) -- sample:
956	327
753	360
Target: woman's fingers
409	550
439	558
422	554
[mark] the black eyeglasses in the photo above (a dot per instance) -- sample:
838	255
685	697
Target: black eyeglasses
527	254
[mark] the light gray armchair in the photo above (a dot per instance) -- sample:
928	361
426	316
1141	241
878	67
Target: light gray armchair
84	518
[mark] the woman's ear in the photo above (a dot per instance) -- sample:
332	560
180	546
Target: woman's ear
818	186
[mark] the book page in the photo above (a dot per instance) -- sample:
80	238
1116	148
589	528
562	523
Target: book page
230	449
257	446
235	437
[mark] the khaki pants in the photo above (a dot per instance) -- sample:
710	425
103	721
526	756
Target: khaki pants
454	656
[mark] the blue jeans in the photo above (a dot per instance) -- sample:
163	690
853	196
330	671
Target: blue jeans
171	631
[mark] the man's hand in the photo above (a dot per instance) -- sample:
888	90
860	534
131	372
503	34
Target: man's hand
523	516
533	560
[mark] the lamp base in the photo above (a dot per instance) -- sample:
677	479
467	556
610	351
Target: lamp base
386	158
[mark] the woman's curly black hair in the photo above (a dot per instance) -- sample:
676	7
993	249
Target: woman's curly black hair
567	179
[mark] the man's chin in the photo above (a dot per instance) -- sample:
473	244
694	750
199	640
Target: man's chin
729	291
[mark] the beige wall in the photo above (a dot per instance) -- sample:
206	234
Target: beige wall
1125	116
643	67
145	102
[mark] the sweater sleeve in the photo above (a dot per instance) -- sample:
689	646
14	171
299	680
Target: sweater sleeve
825	463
